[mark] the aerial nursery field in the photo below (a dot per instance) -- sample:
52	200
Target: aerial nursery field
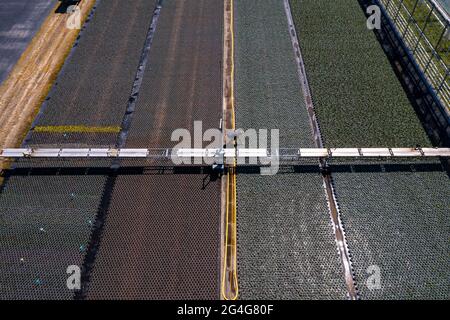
54	215
267	86
358	99
286	245
46	223
161	239
183	81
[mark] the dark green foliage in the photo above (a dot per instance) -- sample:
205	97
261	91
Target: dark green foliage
358	99
286	245
398	220
268	92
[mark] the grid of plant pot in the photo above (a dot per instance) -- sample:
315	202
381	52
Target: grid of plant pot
161	237
394	214
286	244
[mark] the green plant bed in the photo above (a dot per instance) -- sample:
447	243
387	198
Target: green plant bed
359	100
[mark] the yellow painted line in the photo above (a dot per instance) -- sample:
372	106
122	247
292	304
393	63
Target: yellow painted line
231	206
235	278
231	189
233	176
224	294
77	129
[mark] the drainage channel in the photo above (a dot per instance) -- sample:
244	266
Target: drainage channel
333	205
108	189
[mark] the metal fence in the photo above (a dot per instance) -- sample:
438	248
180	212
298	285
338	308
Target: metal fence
424	27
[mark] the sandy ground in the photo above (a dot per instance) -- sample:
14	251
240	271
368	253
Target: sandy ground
22	93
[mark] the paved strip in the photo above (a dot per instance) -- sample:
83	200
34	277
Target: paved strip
161	238
229	278
19	22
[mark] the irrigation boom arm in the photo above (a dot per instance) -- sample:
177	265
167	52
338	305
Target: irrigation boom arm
282	154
